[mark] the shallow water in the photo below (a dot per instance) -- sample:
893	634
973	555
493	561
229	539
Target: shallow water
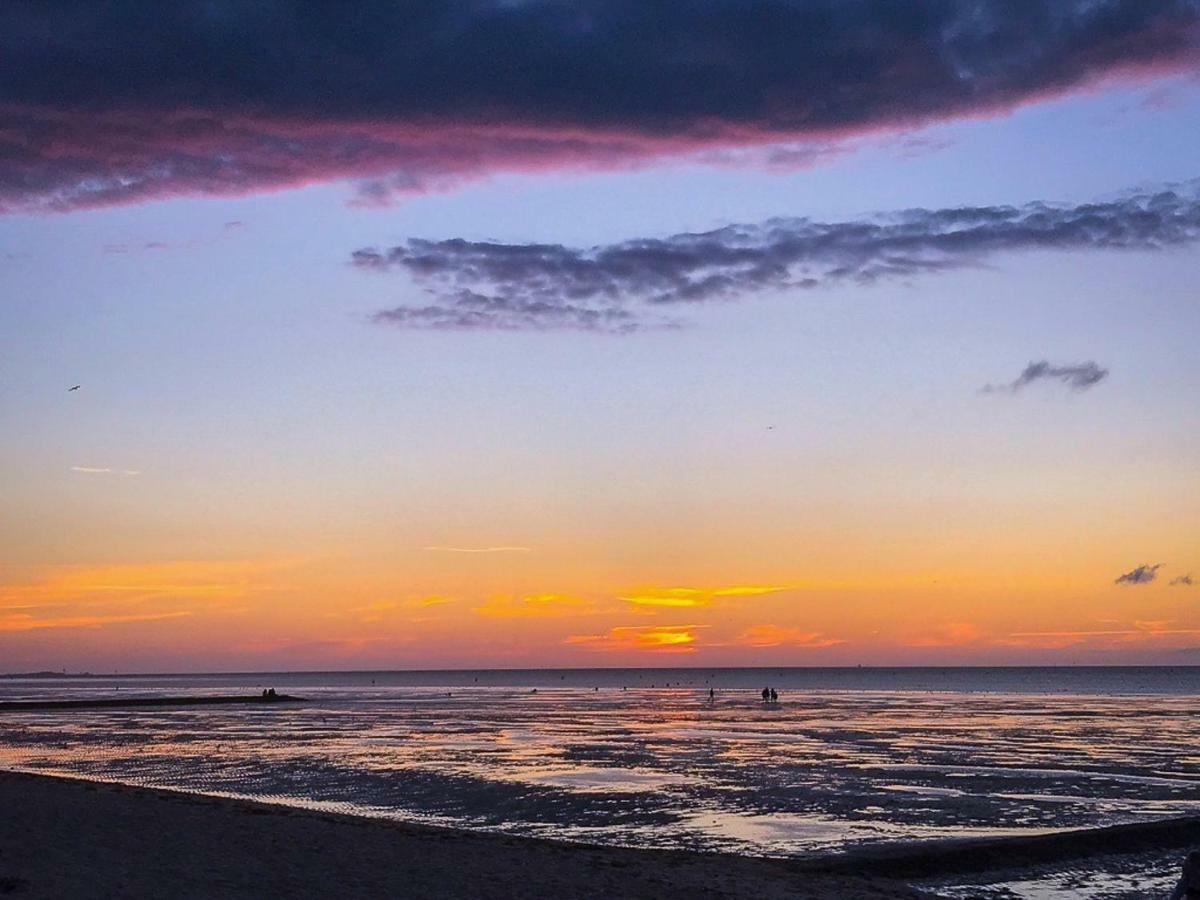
651	766
1112	877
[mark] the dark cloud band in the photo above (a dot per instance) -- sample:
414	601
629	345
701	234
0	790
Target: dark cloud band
125	101
625	286
1079	377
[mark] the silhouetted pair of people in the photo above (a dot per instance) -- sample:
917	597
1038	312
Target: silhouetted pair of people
267	694
769	695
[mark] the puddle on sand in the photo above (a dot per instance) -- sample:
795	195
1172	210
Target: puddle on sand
584	778
1068	886
780	829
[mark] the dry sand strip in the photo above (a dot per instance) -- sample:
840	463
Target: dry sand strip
78	839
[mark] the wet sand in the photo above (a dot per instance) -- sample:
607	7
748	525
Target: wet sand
975	855
134	702
70	838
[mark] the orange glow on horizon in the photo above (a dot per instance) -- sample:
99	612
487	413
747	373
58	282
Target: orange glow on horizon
368	611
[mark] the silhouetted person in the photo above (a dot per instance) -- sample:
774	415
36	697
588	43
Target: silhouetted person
271	693
711	695
766	694
264	692
774	696
1189	884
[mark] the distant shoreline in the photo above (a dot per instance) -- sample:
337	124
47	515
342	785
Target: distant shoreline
123	703
50	675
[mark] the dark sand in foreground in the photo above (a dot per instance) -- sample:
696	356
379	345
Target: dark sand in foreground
70	838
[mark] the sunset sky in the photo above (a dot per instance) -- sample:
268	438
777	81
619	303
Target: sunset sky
503	333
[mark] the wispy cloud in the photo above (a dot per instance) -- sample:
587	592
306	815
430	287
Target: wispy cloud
184	102
1079	377
1182	581
503	606
689	597
1143	574
122	248
96	596
783	636
406	604
22	621
381	609
949	634
625	287
104	470
479	549
381	650
1141	633
657	638
432	600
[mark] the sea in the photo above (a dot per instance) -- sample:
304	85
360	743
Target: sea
646	757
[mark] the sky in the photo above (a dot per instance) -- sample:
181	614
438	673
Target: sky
501	333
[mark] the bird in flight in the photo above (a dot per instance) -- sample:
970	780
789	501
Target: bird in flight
73	388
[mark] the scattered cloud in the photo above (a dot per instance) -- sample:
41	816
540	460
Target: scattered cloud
1143	574
626	287
1182	581
687	597
104	470
780	636
1079	377
478	549
124	105
658	638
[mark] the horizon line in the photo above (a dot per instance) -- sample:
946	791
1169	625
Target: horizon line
50	673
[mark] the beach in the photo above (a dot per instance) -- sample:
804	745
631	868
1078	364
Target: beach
567	784
64	837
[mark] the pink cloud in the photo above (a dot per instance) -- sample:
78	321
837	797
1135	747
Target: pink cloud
124	107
